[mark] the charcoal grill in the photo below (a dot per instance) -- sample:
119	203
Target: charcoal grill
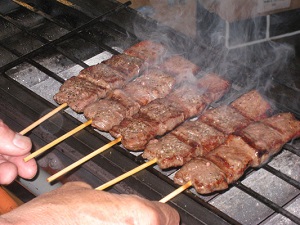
42	43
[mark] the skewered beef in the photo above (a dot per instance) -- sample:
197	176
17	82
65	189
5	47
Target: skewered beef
165	112
148	51
144	89
152	85
253	148
78	93
191	139
262	137
257	110
205	176
203	135
103	76
225	118
108	75
128	65
286	124
188	99
183	69
214	86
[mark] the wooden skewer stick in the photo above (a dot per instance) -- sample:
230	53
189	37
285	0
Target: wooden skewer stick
128	174
42	119
176	192
58	140
83	160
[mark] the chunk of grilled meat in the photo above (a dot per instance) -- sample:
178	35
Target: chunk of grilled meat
205	176
213	86
149	51
151	85
129	65
183	69
103	76
225	119
257	110
79	93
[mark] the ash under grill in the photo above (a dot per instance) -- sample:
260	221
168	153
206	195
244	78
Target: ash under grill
41	49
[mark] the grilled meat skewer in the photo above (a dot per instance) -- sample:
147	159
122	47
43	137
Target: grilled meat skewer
250	147
199	137
112	73
163	115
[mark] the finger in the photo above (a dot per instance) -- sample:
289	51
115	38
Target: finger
77	185
26	170
167	215
13	143
8	172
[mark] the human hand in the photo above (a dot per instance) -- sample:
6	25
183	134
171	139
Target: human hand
13	148
77	203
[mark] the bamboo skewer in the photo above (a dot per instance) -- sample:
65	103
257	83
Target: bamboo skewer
84	159
42	119
58	140
125	175
176	192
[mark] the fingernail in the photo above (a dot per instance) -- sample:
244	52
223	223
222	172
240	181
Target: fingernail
20	141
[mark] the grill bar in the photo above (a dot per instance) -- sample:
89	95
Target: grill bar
268	203
284	177
67	36
43	40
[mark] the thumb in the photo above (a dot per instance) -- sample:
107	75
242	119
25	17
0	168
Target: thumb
13	143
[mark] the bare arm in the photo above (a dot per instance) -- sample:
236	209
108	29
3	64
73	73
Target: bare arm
78	203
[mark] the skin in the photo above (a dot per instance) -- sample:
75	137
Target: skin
74	202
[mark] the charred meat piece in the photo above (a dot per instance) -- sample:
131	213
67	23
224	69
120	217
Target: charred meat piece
252	105
105	113
183	69
78	93
286	124
169	151
109	112
151	85
135	132
128	65
120	96
103	76
225	118
205	176
232	158
200	136
187	141
190	99
149	51
167	114
262	137
213	86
